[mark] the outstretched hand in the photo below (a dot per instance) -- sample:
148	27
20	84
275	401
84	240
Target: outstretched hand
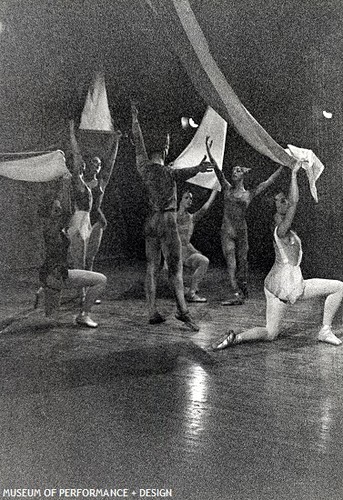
205	166
209	143
134	109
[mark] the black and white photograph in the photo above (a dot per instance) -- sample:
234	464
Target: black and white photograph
171	179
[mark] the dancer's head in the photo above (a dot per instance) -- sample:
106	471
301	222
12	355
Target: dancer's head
92	170
50	208
238	173
56	210
281	203
160	148
186	200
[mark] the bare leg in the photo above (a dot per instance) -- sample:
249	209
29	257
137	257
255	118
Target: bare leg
275	311
242	248
77	251
333	291
95	284
93	245
198	263
172	244
153	255
229	251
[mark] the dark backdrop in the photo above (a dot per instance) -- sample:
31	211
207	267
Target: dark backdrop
283	59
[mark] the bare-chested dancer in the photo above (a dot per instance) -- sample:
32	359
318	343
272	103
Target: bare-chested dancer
161	227
88	222
234	231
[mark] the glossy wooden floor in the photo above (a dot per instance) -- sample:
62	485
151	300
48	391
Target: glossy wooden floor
147	407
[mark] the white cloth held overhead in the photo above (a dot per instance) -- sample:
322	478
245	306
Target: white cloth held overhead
42	168
214	126
96	114
312	165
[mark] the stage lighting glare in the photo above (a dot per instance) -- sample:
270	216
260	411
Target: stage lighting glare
192	123
184	122
327	114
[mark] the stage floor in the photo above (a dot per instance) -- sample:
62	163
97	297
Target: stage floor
140	411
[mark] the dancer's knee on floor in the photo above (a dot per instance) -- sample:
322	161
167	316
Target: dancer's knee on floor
272	333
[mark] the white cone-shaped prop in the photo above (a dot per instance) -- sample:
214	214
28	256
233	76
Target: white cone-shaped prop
215	127
96	114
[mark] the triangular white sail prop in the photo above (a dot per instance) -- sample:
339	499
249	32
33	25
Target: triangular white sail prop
312	165
43	168
214	126
96	113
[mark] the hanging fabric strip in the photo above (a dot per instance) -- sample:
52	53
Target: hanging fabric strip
179	24
43	168
96	114
215	127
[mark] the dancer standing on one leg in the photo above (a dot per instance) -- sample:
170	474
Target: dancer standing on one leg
161	226
192	258
55	275
234	231
284	284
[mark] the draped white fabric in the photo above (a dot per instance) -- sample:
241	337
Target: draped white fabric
214	126
42	168
176	21
312	165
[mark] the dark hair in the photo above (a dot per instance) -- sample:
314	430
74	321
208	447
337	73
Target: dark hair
157	141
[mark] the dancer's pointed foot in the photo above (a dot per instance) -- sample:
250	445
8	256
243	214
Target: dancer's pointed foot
327	335
84	319
228	340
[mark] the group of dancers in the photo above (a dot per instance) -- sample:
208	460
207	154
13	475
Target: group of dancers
72	240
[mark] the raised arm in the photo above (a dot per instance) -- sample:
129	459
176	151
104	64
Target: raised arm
189	172
264	185
201	212
77	166
107	169
220	176
141	154
293	198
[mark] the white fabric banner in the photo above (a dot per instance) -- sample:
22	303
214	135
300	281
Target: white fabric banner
43	168
96	113
212	125
312	165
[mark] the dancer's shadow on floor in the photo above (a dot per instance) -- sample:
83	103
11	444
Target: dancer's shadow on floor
39	374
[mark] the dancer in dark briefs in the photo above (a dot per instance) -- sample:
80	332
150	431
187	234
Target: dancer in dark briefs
285	285
161	225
